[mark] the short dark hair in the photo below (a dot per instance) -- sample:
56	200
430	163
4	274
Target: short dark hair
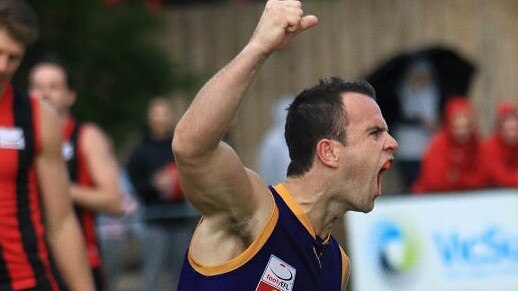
317	113
54	59
20	21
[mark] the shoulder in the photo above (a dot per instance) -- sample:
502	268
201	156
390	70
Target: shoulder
92	136
91	129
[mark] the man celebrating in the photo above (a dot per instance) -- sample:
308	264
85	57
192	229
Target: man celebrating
255	237
35	207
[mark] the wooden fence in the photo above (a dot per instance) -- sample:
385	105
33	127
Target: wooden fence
353	36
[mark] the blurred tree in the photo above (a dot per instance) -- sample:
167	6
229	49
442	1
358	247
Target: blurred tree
114	56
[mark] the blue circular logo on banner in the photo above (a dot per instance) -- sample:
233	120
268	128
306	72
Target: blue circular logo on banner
397	249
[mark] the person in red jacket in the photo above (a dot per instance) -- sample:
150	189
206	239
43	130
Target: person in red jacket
450	161
499	153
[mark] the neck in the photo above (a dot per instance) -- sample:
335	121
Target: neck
317	201
63	116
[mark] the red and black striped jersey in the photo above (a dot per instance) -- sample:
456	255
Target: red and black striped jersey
79	173
24	257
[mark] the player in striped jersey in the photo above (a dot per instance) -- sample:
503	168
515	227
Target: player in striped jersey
92	165
34	204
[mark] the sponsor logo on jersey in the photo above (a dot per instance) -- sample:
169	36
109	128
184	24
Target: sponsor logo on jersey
277	276
12	138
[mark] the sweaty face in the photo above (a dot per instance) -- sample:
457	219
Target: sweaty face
49	82
11	54
367	153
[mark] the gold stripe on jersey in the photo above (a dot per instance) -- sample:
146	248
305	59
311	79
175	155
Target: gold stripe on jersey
245	256
346	271
295	208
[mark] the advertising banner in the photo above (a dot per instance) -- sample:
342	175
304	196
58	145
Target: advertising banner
446	242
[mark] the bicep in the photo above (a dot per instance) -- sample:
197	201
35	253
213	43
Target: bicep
221	184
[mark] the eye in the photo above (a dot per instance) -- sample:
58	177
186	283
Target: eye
14	58
377	132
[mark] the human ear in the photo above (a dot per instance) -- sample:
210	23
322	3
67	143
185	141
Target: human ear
72	96
326	152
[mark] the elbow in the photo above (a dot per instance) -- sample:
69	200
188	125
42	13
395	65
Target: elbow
183	146
177	144
192	148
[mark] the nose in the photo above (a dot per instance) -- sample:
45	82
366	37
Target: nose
391	143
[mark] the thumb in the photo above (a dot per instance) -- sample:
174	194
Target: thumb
307	22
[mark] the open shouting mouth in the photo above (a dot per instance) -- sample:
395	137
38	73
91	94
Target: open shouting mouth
383	169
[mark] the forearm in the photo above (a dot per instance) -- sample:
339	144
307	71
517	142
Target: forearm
69	252
98	200
213	177
210	114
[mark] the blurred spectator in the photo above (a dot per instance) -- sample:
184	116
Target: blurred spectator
499	154
450	161
115	232
92	165
419	99
168	219
273	158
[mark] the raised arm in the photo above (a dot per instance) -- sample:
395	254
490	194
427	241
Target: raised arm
63	232
213	177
